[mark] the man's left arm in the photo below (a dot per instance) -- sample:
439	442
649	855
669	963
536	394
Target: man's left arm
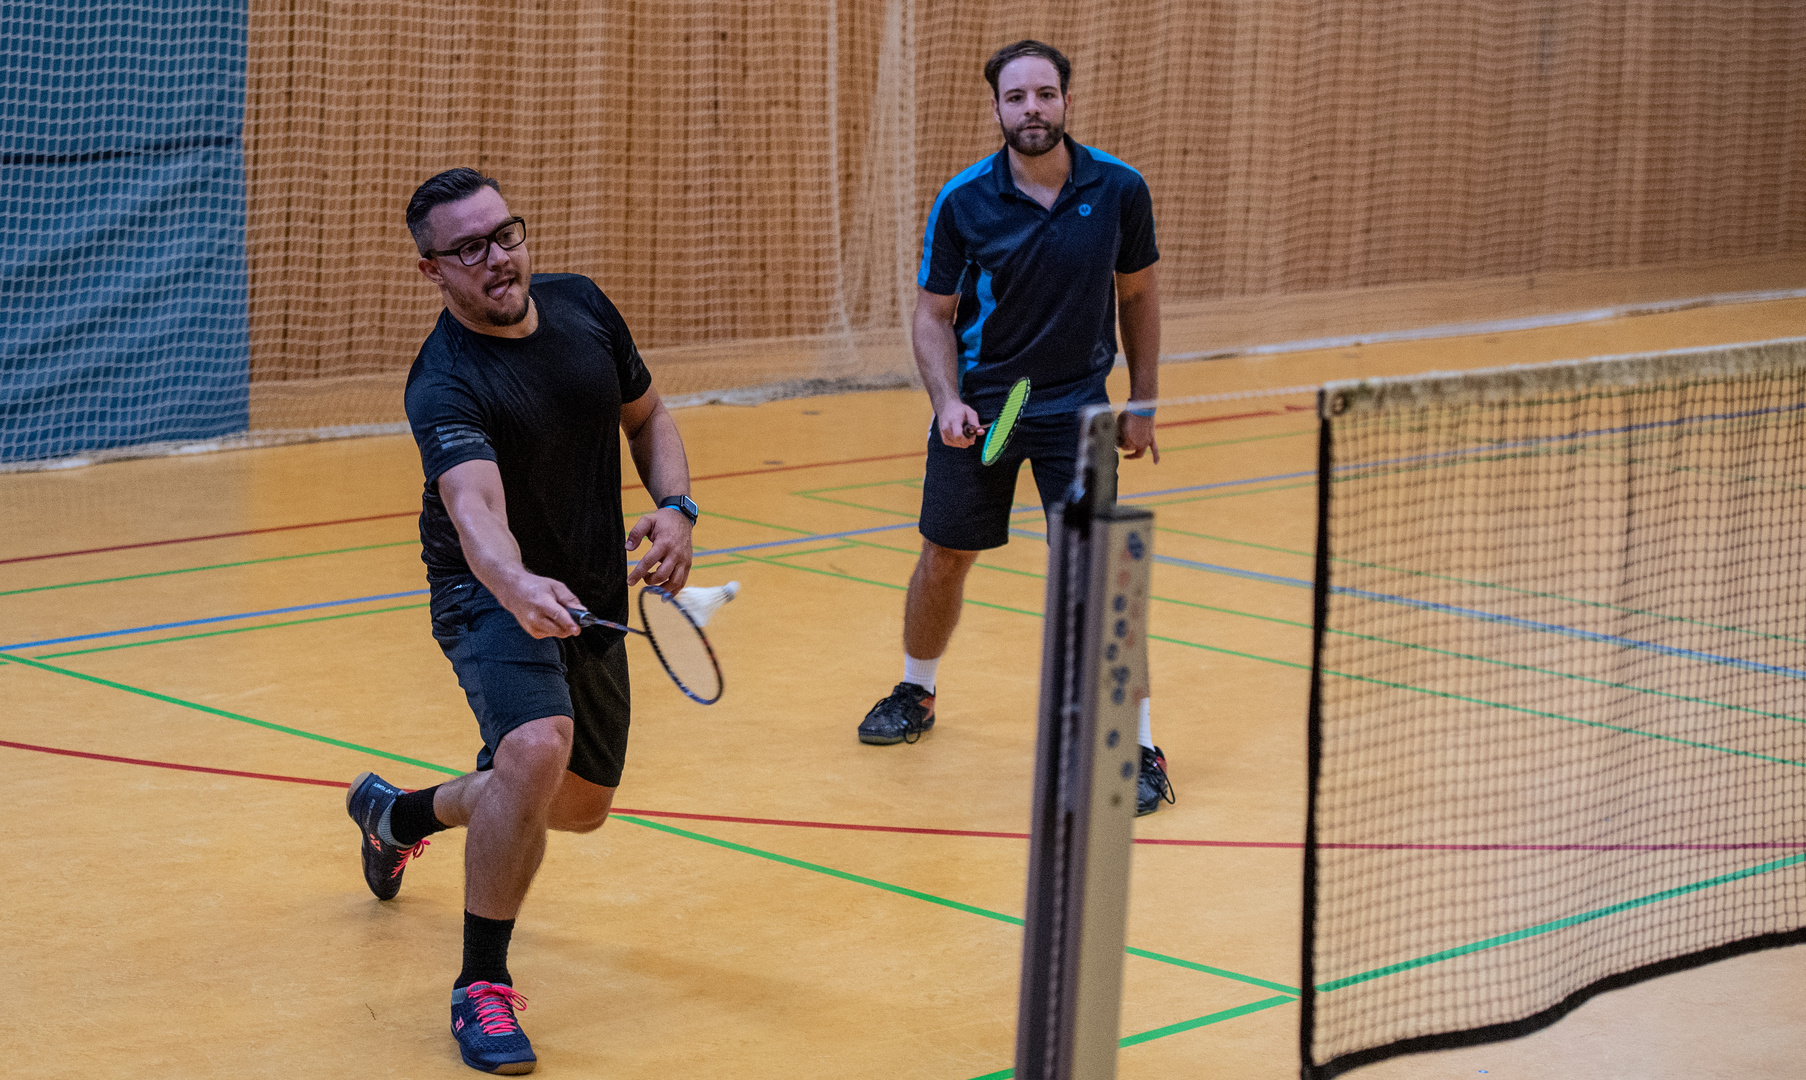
658	454
1138	314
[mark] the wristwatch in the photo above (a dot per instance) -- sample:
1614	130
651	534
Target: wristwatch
685	506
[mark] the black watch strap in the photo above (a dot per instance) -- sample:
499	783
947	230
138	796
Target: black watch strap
685	506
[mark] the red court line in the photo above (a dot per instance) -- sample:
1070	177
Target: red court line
822	824
416	513
1238	416
211	536
172	765
964	832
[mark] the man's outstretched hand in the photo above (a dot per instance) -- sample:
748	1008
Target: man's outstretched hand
667	562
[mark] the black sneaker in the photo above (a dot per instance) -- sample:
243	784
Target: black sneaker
366	799
1153	786
901	717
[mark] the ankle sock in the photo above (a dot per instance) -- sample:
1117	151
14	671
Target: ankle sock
920	672
485	951
1147	726
409	819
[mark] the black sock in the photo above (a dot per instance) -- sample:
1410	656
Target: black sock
411	817
485	951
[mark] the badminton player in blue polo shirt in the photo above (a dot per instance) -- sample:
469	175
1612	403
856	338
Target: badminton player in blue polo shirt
1029	259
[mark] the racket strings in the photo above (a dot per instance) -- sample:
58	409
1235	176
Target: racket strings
680	646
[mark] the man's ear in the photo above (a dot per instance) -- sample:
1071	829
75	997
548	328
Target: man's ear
431	270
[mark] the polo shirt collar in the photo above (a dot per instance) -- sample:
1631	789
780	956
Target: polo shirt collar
1085	169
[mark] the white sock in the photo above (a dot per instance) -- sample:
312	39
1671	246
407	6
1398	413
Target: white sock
920	672
1147	726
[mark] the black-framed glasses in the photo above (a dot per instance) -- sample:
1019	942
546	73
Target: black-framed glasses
510	235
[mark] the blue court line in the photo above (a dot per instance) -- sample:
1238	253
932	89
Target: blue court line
1574	632
212	619
1475	613
1218	484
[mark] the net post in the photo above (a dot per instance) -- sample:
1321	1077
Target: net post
1093	676
1327	405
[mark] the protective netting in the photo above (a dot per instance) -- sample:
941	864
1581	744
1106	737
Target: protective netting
1557	735
122	270
748	180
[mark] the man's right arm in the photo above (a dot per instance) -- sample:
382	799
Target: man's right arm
473	497
937	358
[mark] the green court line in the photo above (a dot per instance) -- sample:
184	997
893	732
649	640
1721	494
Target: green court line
236	630
1481	701
1207	969
1562	923
1205	1021
1174	1029
1229	494
913	482
839	546
1232	442
214	566
240	717
860	506
1599	604
1306	667
916	894
1400	644
819	869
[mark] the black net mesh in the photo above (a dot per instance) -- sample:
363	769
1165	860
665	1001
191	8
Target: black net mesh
1559	742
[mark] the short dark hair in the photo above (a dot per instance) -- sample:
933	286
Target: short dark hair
448	187
1027	47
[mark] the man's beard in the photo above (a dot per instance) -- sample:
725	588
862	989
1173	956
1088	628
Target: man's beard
508	318
1037	142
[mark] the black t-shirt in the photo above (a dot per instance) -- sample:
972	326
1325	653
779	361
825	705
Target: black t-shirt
545	409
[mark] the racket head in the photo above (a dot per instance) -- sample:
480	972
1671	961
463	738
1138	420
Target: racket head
997	436
680	646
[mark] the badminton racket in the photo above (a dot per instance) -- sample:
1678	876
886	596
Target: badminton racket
673	627
997	436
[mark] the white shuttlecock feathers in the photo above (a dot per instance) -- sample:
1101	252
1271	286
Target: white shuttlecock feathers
700	602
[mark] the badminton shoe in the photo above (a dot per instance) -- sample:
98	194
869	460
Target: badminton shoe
1153	788
369	797
489	1037
901	717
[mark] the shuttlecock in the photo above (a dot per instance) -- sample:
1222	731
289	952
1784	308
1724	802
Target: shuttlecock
700	602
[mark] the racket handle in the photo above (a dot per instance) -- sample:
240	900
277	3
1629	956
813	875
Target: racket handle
584	618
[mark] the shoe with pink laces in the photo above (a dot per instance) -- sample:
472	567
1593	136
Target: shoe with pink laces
488	1035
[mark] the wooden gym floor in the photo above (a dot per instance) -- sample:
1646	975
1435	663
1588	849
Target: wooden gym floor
197	652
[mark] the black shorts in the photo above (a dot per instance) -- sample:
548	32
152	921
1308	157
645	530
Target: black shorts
966	504
512	677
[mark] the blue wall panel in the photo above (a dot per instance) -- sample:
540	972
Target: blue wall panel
123	288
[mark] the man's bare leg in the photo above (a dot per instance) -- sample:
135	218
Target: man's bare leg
931	611
508	808
937	589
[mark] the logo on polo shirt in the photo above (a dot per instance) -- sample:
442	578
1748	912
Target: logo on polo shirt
1084	209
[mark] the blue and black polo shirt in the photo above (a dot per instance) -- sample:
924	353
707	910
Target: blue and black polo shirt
1037	287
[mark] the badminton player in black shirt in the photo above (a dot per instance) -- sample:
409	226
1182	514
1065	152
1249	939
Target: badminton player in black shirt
514	400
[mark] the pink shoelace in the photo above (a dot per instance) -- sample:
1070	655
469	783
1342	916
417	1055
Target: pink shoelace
493	1003
411	853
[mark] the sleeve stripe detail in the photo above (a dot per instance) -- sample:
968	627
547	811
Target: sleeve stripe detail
1110	159
969	174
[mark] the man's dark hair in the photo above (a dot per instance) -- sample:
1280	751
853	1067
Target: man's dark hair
448	187
1027	47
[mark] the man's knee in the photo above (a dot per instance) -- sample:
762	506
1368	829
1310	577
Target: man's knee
942	564
536	753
